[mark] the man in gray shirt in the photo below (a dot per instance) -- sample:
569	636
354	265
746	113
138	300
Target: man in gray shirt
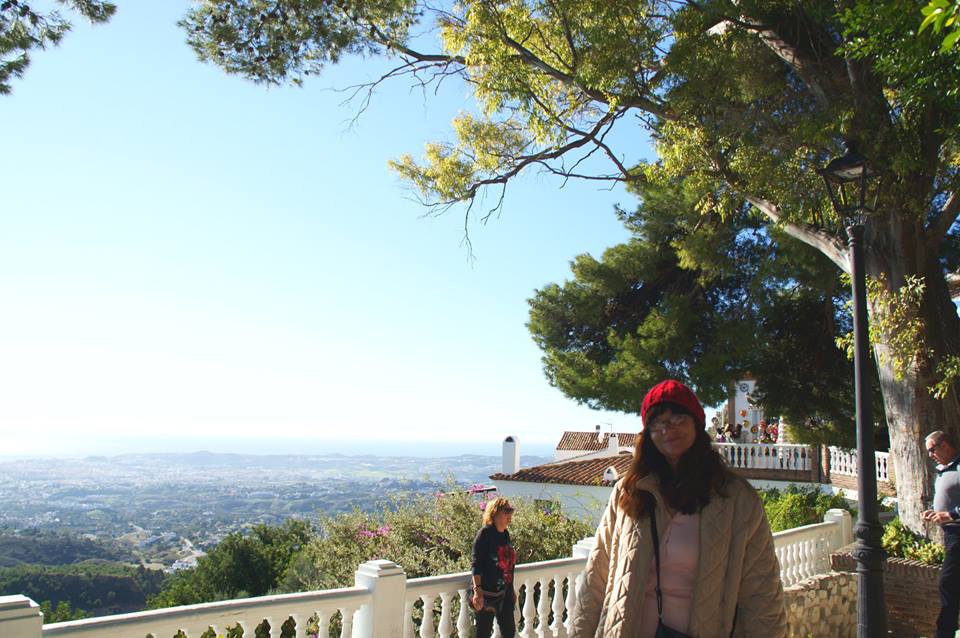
946	513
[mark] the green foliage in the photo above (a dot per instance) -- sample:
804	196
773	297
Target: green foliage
940	16
798	506
243	564
900	542
44	548
700	299
61	613
270	42
895	323
89	588
948	371
426	536
23	29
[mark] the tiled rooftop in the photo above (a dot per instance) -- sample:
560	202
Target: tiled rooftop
589	472
589	442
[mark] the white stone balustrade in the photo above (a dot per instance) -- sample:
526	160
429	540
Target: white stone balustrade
883	466
385	604
767	456
844	462
194	620
805	551
538	615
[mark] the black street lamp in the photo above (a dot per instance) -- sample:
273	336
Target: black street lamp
851	183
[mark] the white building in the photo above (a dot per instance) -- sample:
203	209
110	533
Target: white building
578	444
579	483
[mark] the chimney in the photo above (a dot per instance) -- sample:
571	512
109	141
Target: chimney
511	455
611	474
613	443
599	435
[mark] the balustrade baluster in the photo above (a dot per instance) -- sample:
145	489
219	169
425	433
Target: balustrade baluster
347	622
529	611
797	562
573	581
543	608
446	624
496	630
463	618
323	625
823	565
801	561
426	625
791	571
557	625
274	627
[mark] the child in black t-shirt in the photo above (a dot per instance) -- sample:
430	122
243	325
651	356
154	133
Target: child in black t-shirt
493	562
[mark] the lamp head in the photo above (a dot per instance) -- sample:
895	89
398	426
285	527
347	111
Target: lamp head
851	182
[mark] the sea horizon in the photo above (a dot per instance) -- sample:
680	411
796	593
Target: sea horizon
271	446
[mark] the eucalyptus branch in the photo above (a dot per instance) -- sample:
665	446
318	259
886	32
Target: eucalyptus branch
828	244
413	68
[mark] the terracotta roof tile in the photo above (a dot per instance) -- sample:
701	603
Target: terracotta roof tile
588	441
589	472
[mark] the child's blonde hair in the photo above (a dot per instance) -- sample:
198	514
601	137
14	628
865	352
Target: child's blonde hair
494	507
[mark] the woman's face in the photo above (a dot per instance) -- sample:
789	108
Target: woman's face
673	434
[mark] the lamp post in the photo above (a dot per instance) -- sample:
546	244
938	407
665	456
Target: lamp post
851	183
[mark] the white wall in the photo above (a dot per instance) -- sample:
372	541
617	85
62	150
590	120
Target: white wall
585	502
569	455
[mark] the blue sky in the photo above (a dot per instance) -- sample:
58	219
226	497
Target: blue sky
188	258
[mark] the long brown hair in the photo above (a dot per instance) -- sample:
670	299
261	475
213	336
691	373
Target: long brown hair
701	471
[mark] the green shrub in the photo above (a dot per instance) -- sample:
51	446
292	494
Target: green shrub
798	506
426	536
900	542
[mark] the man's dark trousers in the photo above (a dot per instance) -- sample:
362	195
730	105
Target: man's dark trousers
949	584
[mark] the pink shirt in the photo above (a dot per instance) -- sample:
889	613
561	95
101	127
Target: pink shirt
679	557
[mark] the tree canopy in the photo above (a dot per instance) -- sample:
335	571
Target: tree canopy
744	100
24	28
705	300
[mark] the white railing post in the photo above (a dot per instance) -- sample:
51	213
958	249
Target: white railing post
583	547
20	617
844	526
383	616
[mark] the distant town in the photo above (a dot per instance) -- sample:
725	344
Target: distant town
165	510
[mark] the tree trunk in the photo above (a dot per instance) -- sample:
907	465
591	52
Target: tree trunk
911	411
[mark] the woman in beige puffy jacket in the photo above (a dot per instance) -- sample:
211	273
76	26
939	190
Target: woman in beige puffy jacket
719	576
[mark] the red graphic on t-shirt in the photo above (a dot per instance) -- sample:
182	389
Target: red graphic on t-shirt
506	559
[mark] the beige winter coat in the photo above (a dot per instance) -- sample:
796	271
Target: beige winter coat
738	570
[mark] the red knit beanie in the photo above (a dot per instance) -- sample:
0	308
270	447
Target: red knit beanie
673	392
